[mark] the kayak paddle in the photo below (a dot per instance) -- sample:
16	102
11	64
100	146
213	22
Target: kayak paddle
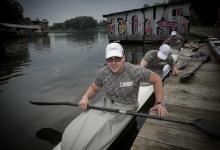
208	126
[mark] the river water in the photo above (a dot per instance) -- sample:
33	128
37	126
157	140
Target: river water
58	67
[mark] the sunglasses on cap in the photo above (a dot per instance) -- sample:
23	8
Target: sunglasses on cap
115	59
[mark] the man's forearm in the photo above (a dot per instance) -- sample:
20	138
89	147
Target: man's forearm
158	87
91	91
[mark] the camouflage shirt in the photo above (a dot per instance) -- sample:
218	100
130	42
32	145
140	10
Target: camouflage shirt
155	64
122	88
176	42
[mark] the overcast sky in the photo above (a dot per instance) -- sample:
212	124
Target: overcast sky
60	10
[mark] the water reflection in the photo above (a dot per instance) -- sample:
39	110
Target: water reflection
53	68
58	67
14	55
82	36
135	51
41	43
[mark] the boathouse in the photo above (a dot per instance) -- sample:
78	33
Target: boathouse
36	28
43	24
152	23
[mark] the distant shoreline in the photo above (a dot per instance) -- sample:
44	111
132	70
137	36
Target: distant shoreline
75	30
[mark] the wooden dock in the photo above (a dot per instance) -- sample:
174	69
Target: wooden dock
197	98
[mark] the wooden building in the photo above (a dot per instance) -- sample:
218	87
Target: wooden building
37	28
153	23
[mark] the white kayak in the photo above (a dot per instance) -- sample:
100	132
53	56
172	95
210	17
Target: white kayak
95	130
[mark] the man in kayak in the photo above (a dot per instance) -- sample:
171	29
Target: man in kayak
121	80
175	40
156	59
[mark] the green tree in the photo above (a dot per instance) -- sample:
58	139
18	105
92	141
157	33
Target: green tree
11	11
102	23
80	23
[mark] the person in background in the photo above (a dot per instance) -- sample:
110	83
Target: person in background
121	81
176	41
156	59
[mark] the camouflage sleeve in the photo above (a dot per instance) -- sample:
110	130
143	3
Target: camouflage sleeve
99	78
145	57
140	74
145	74
167	41
170	61
148	56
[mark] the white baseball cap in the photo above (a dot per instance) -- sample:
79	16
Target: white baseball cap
114	49
173	33
164	51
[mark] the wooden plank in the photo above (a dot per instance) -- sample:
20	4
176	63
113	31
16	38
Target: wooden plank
208	100
188	114
187	90
195	82
195	99
177	135
149	138
147	144
176	126
202	91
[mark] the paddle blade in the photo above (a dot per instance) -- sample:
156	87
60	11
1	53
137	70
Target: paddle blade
211	127
50	135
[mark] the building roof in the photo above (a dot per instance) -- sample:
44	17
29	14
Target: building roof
143	8
20	26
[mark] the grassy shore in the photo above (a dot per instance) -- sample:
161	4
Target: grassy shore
208	31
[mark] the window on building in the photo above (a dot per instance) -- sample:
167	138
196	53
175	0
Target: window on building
177	12
154	13
121	26
134	24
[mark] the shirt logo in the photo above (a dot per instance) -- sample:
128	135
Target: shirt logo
126	84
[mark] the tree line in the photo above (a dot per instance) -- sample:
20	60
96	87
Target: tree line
79	23
11	11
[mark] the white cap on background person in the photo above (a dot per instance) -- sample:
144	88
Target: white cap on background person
164	51
173	33
114	50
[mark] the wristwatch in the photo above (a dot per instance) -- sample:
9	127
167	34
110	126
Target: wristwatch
161	102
